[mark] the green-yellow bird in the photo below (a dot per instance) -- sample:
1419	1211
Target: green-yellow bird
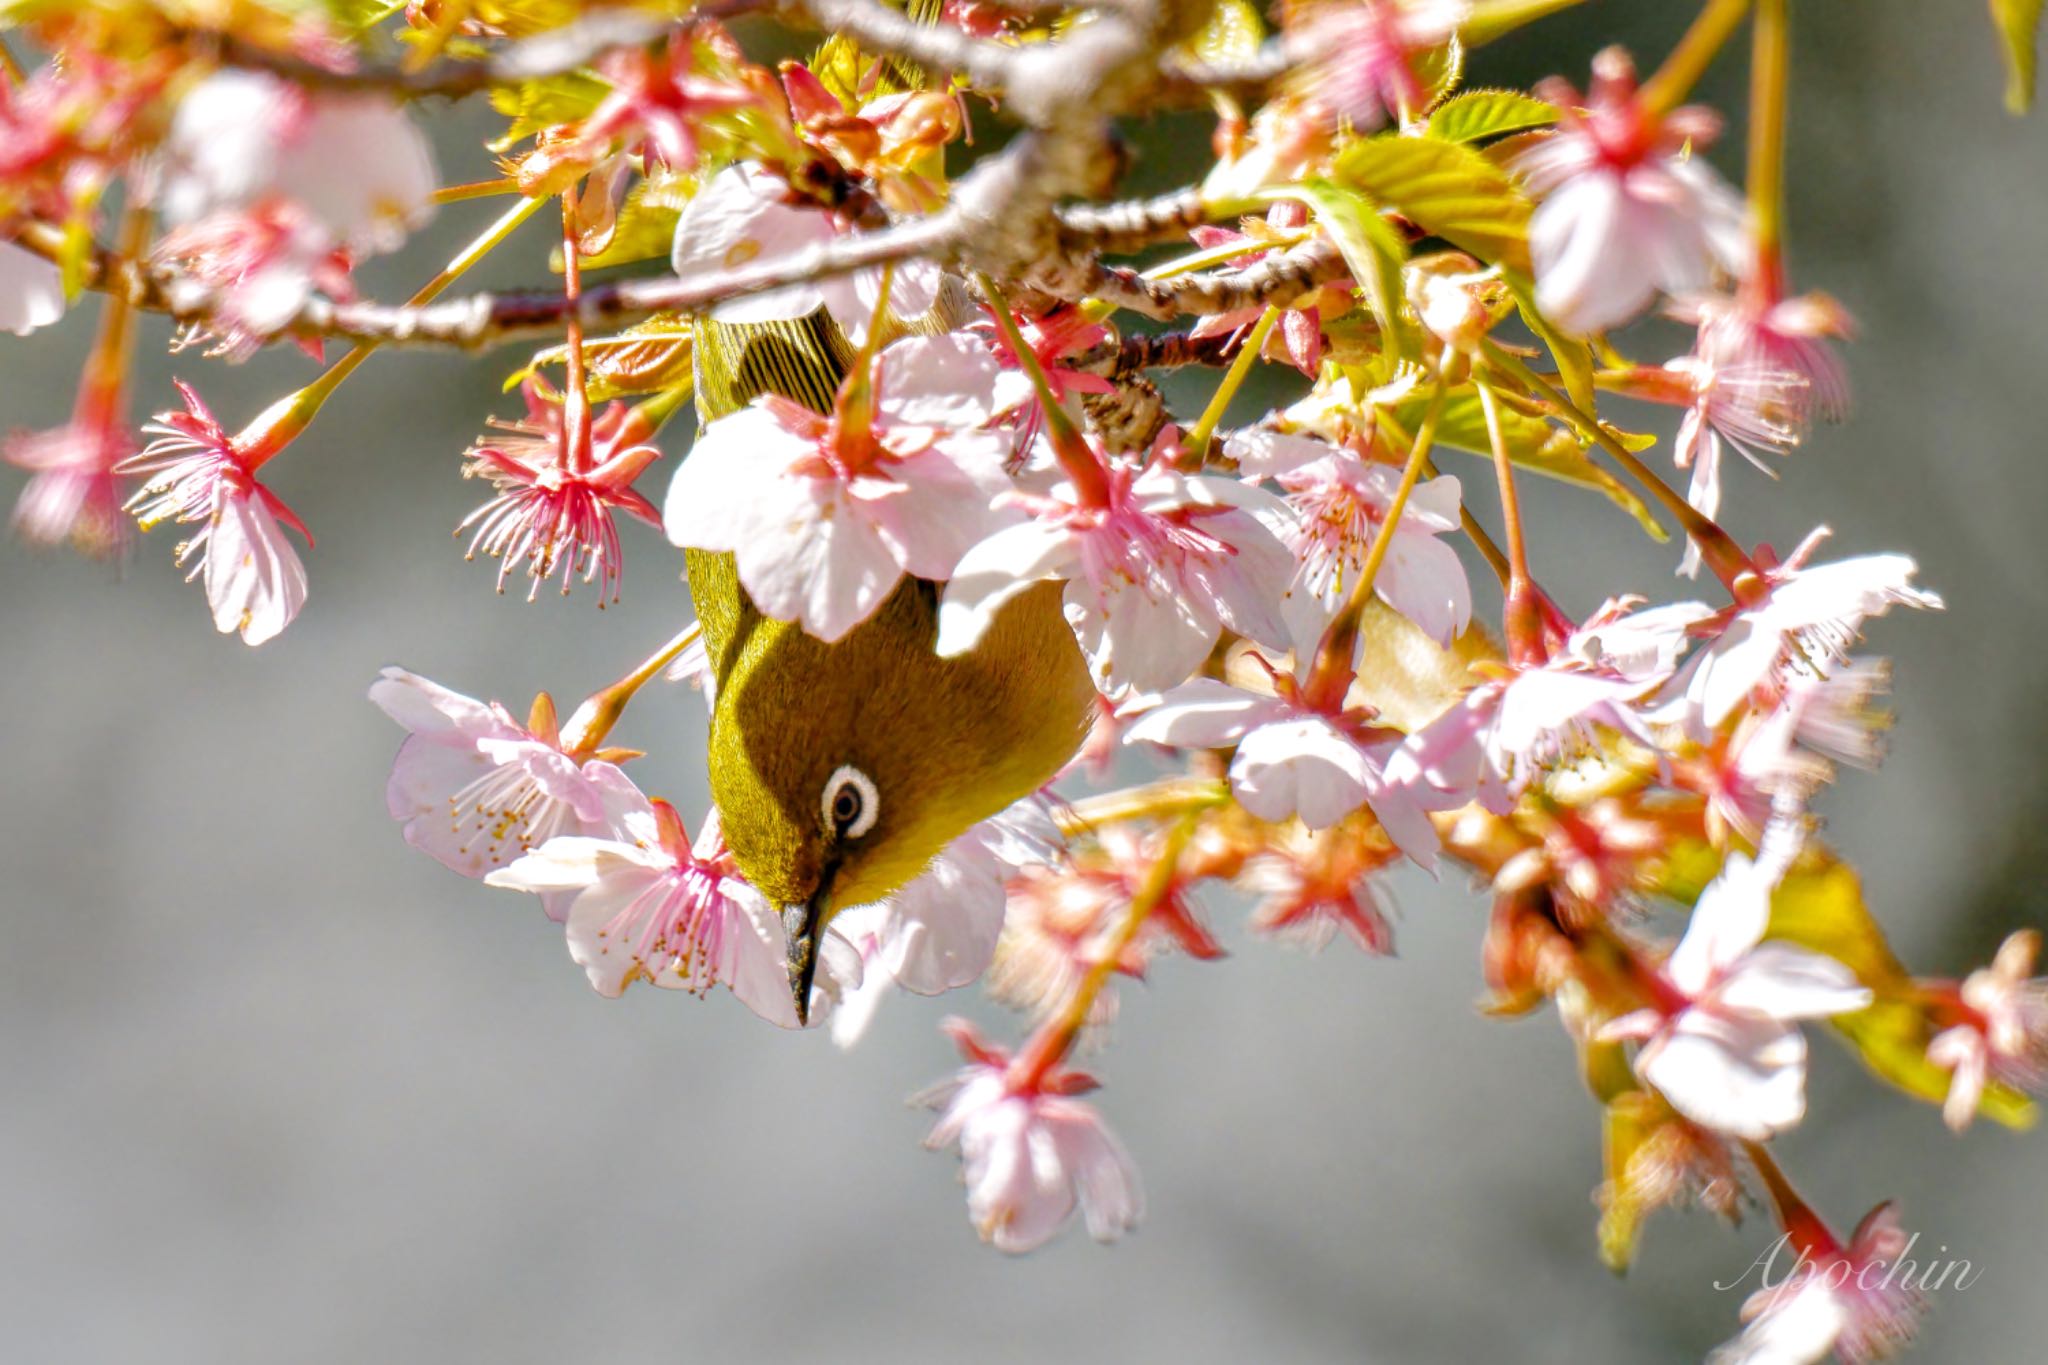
840	770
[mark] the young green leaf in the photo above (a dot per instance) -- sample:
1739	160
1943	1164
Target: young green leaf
1480	114
1371	247
1448	189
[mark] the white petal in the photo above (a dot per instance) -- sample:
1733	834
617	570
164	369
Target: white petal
805	555
31	291
1300	767
1261	453
1740	1076
1727	921
254	580
992	573
941	381
1201	713
734	461
1779	981
739	219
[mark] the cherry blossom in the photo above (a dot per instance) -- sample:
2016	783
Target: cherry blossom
1628	207
1726	1050
940	931
747	215
650	906
1505	731
1803	624
1154	572
1361	58
1298	336
1340	503
2002	1033
254	270
74	493
1313	883
1852	1301
1292	759
476	789
31	290
1053	338
1061	918
825	514
196	473
558	484
355	163
655	104
1031	1155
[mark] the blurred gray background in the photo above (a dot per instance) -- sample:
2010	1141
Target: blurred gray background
280	1089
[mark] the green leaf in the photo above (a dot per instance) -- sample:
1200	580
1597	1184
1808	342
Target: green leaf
1574	357
2018	23
1372	249
1820	906
1479	114
1533	444
1448	189
648	357
545	103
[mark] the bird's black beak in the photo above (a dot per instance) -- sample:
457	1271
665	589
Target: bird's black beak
806	926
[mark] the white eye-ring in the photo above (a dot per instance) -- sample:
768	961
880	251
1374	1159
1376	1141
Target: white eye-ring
851	802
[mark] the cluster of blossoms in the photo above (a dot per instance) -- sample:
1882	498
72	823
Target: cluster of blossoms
916	395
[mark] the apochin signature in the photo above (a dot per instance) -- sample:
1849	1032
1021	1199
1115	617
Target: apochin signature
1940	1272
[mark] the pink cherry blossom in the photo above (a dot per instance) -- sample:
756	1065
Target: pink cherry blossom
74	493
1030	1156
656	102
355	163
1154	573
648	905
824	515
1053	338
195	473
1313	883
746	216
1061	918
939	932
1628	207
476	789
1298	336
2002	1033
1853	1301
1292	759
1787	336
1804	624
1781	756
558	484
1360	58
1726	1049
253	269
1508	729
31	290
1340	502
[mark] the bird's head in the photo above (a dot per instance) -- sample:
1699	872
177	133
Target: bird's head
840	770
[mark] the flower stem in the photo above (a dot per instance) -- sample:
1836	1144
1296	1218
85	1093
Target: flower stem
593	720
1727	559
106	369
1769	80
475	189
295	411
1068	444
576	385
1335	665
1809	1233
1055	1040
1197	442
1171	796
1674	80
1522	619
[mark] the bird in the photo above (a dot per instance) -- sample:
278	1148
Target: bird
841	770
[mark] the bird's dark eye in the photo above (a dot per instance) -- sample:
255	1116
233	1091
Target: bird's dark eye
851	802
